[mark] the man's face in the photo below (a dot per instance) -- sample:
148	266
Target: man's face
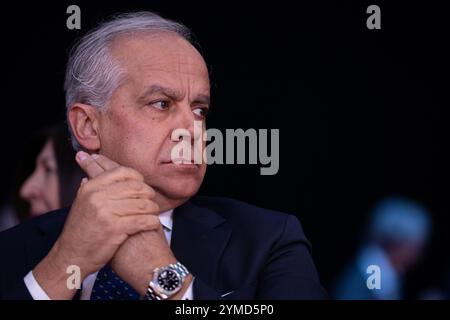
167	88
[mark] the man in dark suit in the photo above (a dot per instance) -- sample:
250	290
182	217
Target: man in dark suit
135	89
231	247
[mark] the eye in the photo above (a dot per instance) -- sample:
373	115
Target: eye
161	105
48	169
200	111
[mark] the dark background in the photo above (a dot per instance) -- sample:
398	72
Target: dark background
361	112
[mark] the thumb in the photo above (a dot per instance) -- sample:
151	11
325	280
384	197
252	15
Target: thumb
88	164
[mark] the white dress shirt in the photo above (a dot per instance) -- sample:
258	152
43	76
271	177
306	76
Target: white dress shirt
38	293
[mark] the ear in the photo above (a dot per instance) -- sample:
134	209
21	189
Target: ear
84	120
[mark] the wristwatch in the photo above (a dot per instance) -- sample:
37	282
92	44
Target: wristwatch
166	281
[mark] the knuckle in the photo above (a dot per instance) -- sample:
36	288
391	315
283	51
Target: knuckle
91	200
150	206
94	199
144	205
108	224
155	207
119	171
136	186
152	222
134	174
102	215
126	172
137	175
134	224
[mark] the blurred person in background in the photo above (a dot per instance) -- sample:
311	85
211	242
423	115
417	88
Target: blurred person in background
395	240
48	164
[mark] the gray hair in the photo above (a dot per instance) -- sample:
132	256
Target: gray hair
92	73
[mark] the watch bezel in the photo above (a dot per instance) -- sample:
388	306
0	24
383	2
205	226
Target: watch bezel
163	293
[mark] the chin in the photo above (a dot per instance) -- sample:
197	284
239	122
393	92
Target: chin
183	191
38	211
180	189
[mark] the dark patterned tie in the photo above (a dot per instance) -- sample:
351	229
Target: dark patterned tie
109	286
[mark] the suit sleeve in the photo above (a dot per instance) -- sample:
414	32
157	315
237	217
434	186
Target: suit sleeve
13	267
290	272
203	291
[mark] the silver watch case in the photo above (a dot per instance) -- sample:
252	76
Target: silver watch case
160	291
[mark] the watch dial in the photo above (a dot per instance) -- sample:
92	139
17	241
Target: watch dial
168	280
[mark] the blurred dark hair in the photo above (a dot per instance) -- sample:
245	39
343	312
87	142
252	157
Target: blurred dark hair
69	173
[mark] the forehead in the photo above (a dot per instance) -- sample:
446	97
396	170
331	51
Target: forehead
160	55
47	151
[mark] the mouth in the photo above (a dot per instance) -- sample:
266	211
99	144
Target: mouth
182	163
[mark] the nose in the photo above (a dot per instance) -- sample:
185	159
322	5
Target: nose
186	126
29	189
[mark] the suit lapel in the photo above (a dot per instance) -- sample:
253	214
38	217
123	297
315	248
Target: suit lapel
199	238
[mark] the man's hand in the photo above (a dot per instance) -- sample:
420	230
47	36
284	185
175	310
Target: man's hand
109	208
139	255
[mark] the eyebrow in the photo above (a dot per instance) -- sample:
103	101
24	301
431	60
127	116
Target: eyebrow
203	98
47	160
173	94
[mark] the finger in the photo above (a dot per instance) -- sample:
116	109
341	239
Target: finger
135	224
129	189
88	164
129	207
120	173
105	162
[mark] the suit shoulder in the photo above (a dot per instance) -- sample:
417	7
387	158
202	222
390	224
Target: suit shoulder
24	231
243	213
256	226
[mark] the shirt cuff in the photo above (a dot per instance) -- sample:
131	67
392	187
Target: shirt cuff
189	294
34	288
39	294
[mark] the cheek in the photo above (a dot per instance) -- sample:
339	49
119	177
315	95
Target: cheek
52	191
133	140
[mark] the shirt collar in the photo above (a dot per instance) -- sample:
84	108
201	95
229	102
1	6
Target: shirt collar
166	219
